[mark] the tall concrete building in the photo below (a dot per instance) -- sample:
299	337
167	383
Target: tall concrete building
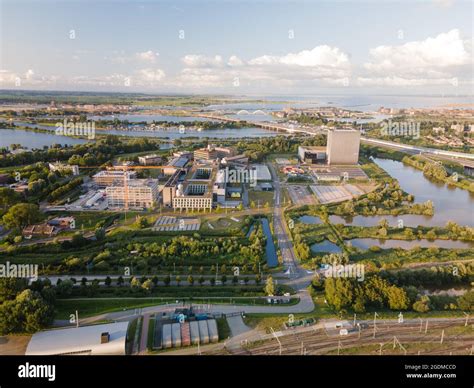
343	147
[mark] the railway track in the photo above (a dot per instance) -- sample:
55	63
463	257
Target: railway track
408	335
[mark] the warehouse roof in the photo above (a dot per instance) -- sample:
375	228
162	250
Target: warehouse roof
80	340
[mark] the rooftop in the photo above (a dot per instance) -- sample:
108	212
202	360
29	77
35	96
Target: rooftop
79	340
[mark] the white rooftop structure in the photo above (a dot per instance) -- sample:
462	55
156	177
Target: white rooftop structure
106	339
263	173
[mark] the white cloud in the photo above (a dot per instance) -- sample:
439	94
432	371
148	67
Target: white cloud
416	63
192	60
147	56
323	64
318	56
150	75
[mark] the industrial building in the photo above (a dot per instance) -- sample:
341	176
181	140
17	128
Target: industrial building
106	339
312	155
175	335
137	194
175	164
212	153
342	149
150	160
112	177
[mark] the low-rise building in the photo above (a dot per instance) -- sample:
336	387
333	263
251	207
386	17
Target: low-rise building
312	154
175	164
42	229
212	153
58	166
150	160
105	339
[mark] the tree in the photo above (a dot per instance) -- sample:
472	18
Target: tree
201	280
258	278
466	301
270	286
190	280
224	279
397	298
28	312
178	280
167	280
147	285
235	280
120	281
8	198
135	282
21	215
213	281
99	234
108	281
64	288
10	287
422	305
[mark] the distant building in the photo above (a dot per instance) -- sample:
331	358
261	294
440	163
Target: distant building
105	339
137	194
62	222
343	147
211	153
175	164
40	230
112	177
262	172
58	166
241	161
150	160
439	129
312	154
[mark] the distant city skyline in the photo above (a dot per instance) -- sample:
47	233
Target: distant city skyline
238	47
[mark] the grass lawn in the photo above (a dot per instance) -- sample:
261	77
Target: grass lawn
91	307
262	196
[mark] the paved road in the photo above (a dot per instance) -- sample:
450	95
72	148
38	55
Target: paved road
417	150
299	278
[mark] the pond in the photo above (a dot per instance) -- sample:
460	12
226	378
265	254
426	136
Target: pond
366	243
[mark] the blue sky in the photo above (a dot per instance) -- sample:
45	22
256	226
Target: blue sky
241	47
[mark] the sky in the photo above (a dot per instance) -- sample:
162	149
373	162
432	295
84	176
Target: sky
238	47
